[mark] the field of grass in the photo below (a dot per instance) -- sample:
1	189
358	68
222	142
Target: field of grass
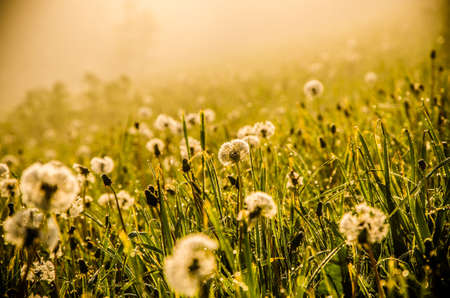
380	140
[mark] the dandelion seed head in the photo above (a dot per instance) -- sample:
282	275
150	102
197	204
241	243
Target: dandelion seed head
194	147
247	130
209	115
191	263
261	204
294	180
50	186
155	146
365	219
264	129
20	226
192	119
10	160
233	152
126	201
251	140
140	129
313	88
164	122
83	150
370	78
102	165
40	271
8	188
144	112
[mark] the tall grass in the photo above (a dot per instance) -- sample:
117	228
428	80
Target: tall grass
386	145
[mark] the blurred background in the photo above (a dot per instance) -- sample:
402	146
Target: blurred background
43	41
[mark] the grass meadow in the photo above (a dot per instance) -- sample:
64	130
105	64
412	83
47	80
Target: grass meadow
173	212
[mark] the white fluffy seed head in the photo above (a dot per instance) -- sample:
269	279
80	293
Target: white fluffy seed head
210	115
261	204
40	271
155	146
195	147
370	78
126	201
233	152
102	165
22	222
251	140
8	188
247	130
50	186
294	180
191	263
264	129
313	88
144	112
365	224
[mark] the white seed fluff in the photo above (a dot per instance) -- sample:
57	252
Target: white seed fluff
191	263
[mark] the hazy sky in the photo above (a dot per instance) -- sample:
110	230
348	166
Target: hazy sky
46	40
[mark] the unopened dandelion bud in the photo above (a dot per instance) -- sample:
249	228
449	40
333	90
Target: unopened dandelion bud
107	223
333	128
11	209
422	164
89	245
319	211
83	267
233	181
73	243
297	240
446	148
106	180
347	113
152	200
433	54
186	167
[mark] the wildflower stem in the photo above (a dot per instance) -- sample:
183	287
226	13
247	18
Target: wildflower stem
118	209
373	263
23	283
238	208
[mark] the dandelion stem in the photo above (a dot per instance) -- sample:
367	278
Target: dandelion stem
373	263
118	209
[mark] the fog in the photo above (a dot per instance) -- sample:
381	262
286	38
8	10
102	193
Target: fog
42	41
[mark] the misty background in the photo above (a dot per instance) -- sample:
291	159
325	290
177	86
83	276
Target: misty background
43	41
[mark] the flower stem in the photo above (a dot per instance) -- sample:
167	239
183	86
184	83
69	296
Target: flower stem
118	209
373	262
